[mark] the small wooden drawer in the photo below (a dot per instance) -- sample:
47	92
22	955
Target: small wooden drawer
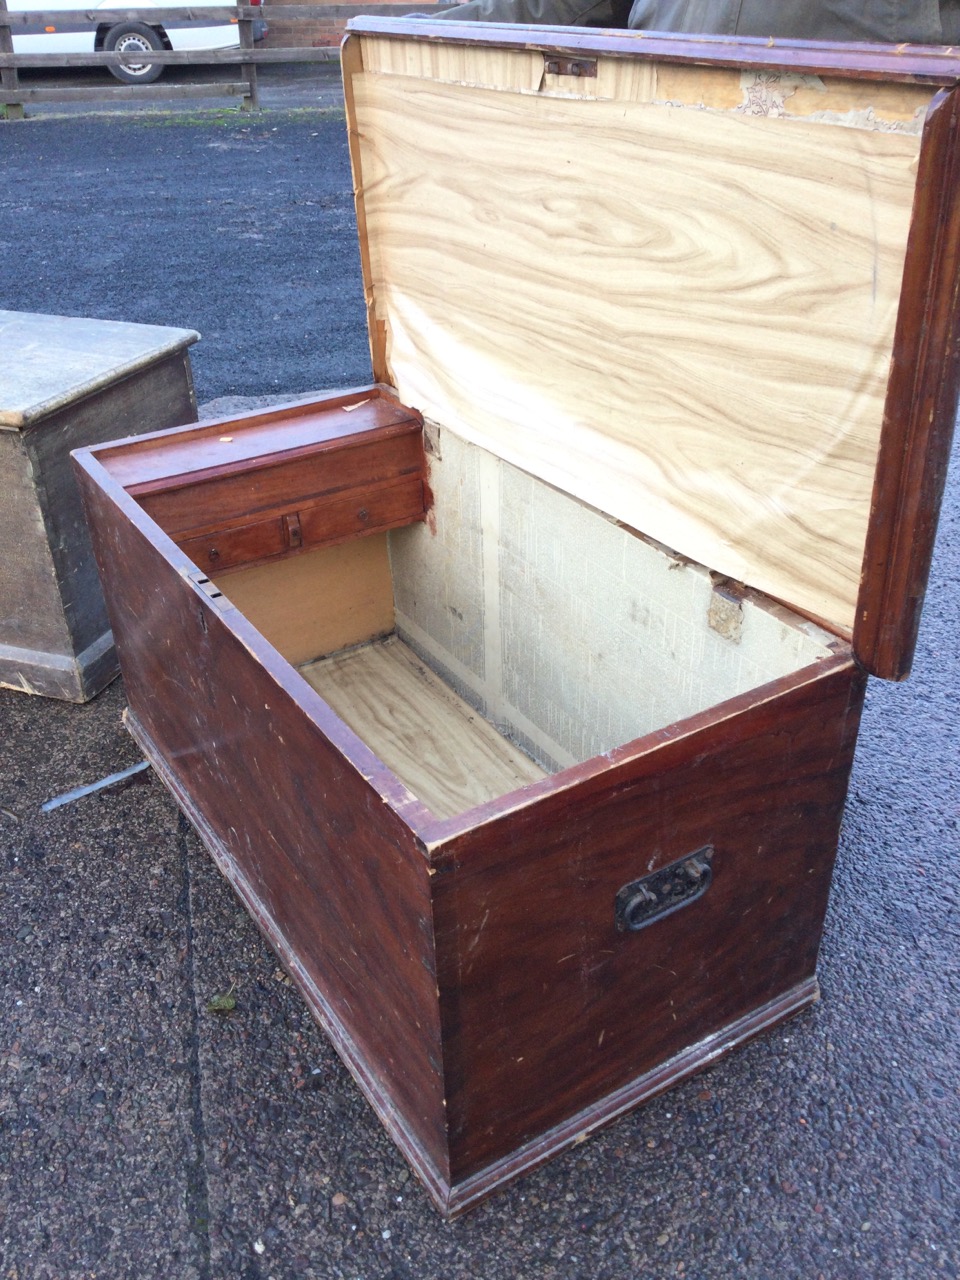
226	549
362	511
187	504
324	524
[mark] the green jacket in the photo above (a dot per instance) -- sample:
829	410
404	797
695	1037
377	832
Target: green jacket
888	21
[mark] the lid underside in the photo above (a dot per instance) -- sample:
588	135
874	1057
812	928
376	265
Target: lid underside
670	291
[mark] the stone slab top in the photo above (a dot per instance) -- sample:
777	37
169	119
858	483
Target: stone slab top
48	362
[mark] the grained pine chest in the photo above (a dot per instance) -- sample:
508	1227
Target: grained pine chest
517	693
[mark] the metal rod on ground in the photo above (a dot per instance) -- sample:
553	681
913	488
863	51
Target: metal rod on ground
79	792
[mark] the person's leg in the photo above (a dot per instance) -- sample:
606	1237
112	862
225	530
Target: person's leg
891	21
556	13
950	21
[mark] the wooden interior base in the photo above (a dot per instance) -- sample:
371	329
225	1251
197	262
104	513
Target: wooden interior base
437	744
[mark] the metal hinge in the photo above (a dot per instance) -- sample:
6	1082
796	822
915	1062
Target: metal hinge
571	67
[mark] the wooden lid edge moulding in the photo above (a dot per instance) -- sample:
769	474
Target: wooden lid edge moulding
920	411
903	63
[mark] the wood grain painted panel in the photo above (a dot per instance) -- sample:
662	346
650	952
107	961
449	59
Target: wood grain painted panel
683	317
330	871
537	984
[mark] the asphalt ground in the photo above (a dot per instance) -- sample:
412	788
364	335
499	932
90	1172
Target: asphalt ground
144	1135
238	225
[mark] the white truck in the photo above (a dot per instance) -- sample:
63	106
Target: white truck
75	35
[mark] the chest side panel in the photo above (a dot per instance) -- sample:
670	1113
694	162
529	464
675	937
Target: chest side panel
329	871
150	399
32	617
682	311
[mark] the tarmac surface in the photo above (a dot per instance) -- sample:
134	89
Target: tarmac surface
144	1134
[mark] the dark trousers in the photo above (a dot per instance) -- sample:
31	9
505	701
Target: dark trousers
887	21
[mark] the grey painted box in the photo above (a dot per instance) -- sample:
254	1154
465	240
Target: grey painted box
67	382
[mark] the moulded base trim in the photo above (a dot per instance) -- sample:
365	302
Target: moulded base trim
463	1195
73	678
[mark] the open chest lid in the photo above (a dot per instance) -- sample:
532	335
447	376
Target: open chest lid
707	286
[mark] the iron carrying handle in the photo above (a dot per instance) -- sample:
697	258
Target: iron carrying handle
659	894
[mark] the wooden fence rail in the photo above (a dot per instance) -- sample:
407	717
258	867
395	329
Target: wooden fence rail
245	56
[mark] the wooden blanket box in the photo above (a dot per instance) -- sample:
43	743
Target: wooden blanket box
67	382
517	693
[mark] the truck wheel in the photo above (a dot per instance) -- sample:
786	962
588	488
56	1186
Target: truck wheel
134	37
